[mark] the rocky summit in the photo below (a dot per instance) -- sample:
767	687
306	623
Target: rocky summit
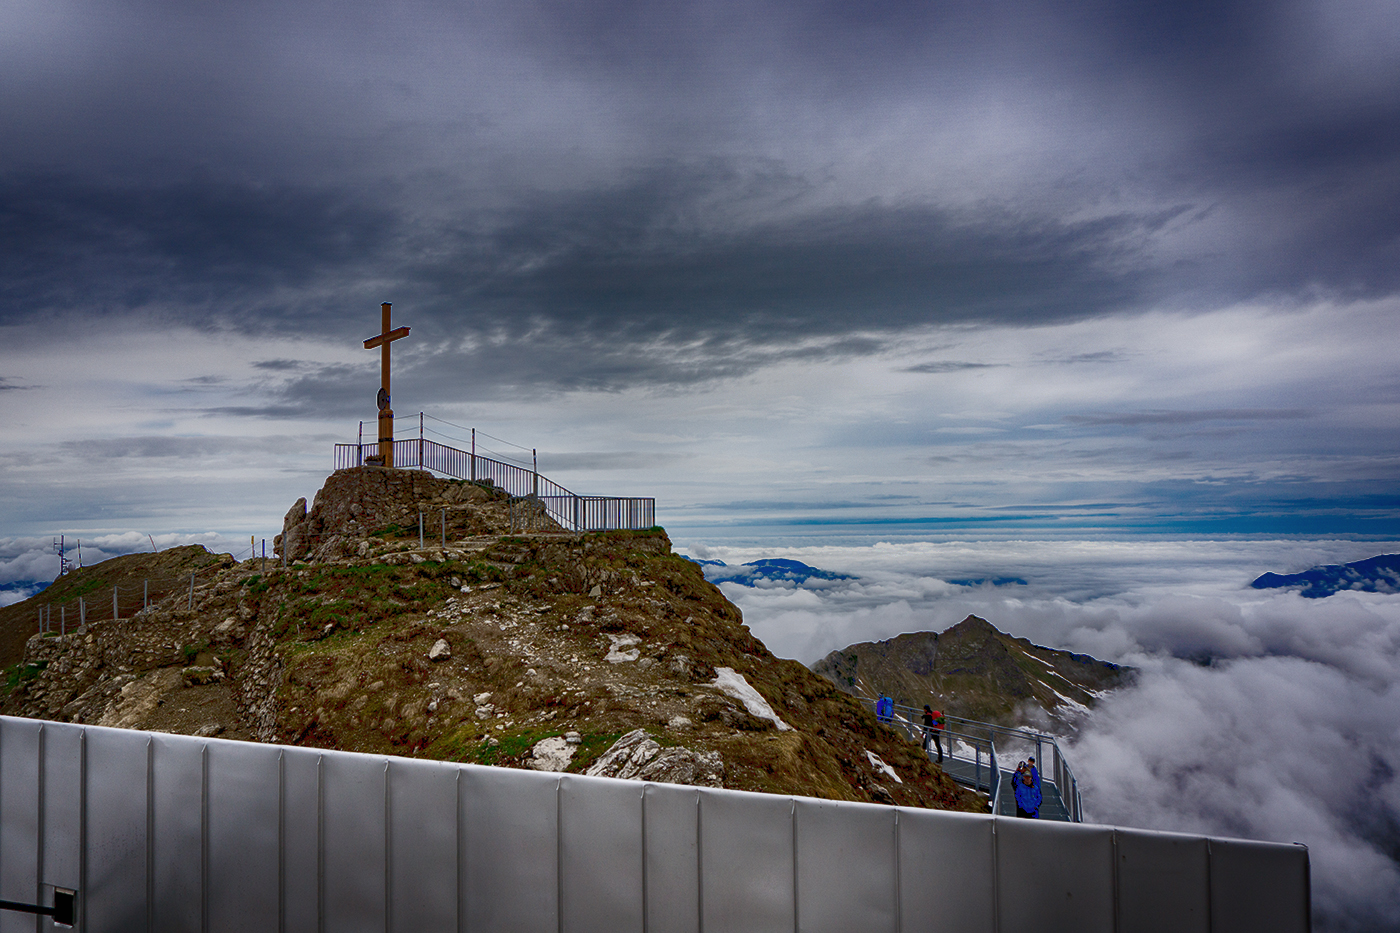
515	644
977	671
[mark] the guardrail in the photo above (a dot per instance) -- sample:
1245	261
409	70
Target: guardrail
570	510
977	746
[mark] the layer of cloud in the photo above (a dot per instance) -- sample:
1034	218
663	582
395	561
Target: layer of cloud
1257	715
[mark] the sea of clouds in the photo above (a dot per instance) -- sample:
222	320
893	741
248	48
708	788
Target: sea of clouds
1257	713
28	564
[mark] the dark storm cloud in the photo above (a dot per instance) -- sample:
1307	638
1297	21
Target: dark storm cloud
950	366
1250	119
210	253
628	257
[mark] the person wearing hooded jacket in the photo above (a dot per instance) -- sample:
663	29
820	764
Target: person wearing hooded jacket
1026	783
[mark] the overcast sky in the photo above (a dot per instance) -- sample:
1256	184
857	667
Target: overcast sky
811	265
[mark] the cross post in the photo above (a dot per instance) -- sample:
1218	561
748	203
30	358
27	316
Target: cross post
386	413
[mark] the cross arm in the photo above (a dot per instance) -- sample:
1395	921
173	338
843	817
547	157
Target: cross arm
382	339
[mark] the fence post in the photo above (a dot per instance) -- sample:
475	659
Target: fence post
473	469
420	440
191	591
145	594
444	529
360	446
420	529
114	604
63	620
535	470
82	611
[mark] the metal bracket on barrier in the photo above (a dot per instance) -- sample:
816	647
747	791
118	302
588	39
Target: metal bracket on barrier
63	911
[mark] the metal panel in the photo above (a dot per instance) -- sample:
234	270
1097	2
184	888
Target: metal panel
242	836
353	842
846	867
1053	877
19	809
177	828
510	823
600	855
746	857
672	858
301	839
1163	880
1258	886
947	875
115	814
423	845
61	820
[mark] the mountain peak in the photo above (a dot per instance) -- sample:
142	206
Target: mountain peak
975	670
602	653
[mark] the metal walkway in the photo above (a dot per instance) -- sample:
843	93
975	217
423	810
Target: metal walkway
975	755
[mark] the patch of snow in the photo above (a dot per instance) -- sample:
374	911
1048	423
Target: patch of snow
879	765
1072	704
727	680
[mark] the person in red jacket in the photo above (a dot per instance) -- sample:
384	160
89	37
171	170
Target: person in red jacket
933	729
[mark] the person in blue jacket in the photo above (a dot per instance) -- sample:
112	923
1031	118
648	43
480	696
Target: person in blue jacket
884	709
1026	783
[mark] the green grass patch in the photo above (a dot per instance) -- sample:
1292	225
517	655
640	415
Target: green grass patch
591	748
18	674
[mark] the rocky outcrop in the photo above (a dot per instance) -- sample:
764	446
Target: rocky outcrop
364	502
638	757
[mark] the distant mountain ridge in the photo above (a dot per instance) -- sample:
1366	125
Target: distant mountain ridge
775	570
976	671
1373	575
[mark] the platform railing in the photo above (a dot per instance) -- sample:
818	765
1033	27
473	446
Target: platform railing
971	746
571	511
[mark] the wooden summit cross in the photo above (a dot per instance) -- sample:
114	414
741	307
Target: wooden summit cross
386	414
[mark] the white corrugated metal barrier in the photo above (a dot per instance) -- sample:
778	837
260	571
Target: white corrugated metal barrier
166	832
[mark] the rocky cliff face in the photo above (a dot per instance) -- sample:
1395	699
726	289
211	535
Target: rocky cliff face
977	671
603	653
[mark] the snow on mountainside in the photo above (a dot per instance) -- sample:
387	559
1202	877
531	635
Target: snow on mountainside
1373	575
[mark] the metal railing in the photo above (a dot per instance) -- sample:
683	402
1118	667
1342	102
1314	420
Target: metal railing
971	747
571	511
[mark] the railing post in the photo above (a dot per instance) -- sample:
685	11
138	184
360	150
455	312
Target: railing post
444	529
114	604
473	469
145	594
535	470
420	529
191	591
